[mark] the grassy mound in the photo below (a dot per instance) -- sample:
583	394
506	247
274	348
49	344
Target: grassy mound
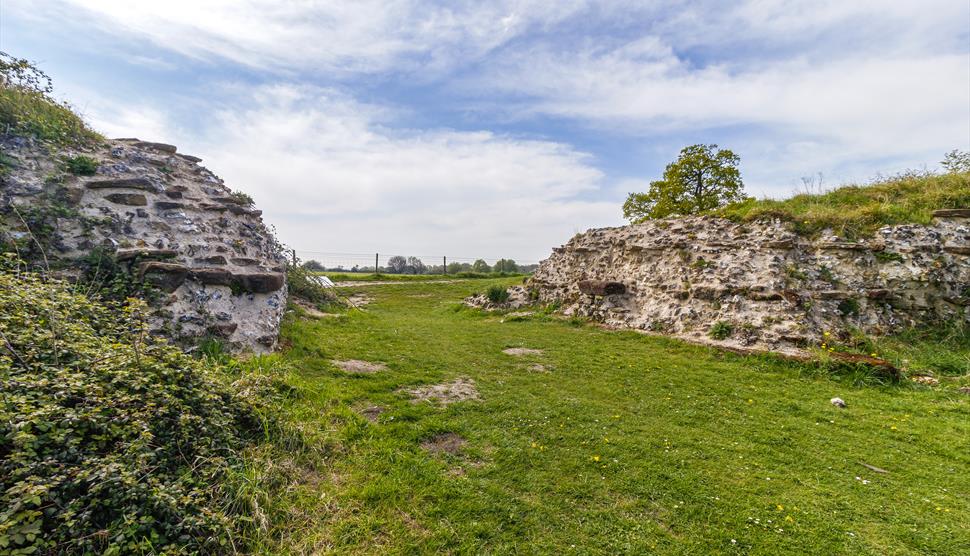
112	441
859	210
27	108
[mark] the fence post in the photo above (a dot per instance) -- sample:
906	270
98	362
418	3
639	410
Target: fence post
444	265
294	256
377	266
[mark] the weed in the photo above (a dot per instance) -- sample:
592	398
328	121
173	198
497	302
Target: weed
888	257
848	307
243	198
794	272
81	165
825	273
721	330
497	294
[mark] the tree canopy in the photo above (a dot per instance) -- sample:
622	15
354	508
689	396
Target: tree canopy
702	178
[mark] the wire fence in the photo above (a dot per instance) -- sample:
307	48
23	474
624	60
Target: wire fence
408	263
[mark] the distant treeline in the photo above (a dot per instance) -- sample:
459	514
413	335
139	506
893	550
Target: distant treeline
414	265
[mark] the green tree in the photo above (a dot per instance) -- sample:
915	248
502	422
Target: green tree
505	265
481	266
956	161
702	178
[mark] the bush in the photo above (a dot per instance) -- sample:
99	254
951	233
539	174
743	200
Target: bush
27	107
305	283
497	294
82	165
114	441
720	330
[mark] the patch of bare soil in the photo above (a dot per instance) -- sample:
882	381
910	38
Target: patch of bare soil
457	390
311	311
372	413
445	443
518	352
358	366
359	299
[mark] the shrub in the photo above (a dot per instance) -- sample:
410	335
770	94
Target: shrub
305	283
720	330
114	441
242	198
82	165
497	294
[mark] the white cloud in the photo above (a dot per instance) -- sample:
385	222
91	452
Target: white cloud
346	37
333	178
893	91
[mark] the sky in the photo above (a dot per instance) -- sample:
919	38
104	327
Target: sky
475	129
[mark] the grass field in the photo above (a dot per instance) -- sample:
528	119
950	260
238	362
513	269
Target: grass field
384	277
619	444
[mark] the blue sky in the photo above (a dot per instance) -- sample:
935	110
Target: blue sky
499	129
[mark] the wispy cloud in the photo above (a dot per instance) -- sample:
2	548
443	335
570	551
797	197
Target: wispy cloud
334	177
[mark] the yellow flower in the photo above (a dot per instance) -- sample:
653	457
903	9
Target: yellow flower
780	507
826	334
873	354
789	519
596	458
534	445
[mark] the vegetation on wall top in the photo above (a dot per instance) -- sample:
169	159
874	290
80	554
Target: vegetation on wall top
27	107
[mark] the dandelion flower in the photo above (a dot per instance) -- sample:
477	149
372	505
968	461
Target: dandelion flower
596	458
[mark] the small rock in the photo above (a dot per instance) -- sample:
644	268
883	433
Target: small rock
838	402
924	379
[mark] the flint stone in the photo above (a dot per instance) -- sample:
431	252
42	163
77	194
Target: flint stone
160	147
212	276
165	276
262	282
601	287
123	183
130	199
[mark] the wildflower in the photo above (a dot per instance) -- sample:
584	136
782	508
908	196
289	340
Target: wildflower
780	507
596	458
873	354
534	445
826	334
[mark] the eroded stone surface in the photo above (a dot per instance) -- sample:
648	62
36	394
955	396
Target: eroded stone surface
151	208
773	288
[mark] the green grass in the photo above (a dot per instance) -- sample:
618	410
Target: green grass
384	277
855	211
624	444
35	113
